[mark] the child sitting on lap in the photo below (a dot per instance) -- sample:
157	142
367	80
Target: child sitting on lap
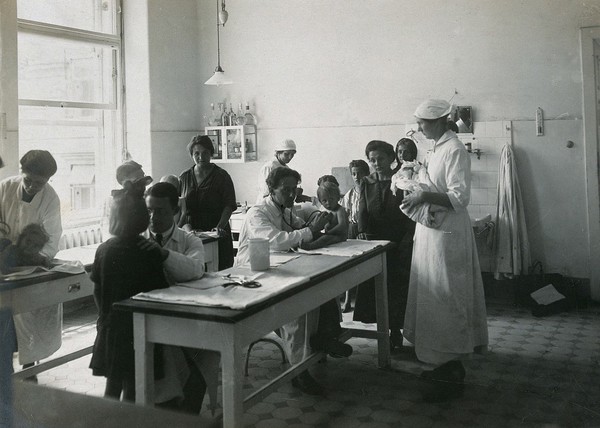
26	252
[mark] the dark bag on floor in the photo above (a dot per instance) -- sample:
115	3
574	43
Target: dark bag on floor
536	279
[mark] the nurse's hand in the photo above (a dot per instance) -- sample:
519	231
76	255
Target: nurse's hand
412	199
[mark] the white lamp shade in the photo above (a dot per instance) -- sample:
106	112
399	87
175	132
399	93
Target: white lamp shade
218	79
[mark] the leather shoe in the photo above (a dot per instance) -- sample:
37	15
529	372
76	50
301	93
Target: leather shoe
307	384
337	349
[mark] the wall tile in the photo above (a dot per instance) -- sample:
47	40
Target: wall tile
492	195
488	180
494	129
474	180
479	196
473	211
492	162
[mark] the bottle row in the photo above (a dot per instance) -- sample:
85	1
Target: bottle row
228	117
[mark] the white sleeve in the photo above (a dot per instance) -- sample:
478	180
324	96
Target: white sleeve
260	226
189	263
51	222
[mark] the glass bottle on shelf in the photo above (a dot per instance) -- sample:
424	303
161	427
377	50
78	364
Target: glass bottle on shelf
240	119
250	119
212	119
224	116
232	116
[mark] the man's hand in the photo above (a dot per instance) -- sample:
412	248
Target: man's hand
187	227
150	245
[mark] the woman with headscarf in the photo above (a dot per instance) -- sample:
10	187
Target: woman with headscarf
445	315
25	199
379	217
209	197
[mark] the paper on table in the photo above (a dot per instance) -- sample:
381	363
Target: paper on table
277	259
21	272
207	234
546	295
209	290
349	248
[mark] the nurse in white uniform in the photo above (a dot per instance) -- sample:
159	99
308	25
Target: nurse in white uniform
25	199
445	314
284	153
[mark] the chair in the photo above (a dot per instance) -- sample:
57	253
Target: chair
270	338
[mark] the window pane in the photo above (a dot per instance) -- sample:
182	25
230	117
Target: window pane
63	70
91	15
83	143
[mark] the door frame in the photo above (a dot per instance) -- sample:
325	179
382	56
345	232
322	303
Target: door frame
589	36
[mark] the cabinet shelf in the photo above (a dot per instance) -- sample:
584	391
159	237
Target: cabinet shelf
233	144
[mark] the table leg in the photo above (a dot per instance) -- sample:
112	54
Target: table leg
381	299
144	362
232	383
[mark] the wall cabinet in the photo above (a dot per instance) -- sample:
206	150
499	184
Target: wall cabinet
233	144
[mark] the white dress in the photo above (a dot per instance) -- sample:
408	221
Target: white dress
38	332
445	314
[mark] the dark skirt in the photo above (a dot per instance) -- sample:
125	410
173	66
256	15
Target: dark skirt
398	277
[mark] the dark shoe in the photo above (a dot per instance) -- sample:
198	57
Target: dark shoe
33	378
307	384
452	371
337	349
396	340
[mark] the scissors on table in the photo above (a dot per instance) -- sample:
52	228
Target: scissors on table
240	281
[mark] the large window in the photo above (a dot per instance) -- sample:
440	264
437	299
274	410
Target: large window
69	97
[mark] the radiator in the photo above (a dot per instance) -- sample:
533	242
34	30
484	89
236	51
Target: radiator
80	236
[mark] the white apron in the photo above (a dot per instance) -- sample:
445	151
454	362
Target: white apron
38	332
445	314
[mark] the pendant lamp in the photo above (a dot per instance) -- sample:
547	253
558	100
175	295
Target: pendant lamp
219	78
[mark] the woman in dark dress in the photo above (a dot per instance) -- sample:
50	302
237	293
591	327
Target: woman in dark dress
121	270
209	197
380	218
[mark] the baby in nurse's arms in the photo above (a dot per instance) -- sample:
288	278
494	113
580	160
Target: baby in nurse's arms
411	175
26	251
336	230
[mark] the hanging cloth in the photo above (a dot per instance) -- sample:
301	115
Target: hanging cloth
510	243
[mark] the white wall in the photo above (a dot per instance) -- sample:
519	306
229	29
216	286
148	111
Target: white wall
335	74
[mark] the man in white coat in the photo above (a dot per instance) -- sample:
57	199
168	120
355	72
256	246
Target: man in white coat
184	383
25	199
272	219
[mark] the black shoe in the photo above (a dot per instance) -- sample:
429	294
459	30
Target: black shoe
307	384
396	340
452	371
337	349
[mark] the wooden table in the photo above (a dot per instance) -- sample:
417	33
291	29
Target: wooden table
231	331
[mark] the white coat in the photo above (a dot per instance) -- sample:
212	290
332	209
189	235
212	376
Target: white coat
284	231
445	313
38	332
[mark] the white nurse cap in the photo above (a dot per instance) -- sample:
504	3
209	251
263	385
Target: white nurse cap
433	109
284	145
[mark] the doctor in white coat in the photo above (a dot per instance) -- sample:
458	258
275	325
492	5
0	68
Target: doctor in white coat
25	199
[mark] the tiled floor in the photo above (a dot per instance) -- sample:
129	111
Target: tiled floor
538	372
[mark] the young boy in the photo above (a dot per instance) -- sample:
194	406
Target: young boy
358	169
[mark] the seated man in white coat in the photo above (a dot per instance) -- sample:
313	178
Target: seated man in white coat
183	260
272	219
